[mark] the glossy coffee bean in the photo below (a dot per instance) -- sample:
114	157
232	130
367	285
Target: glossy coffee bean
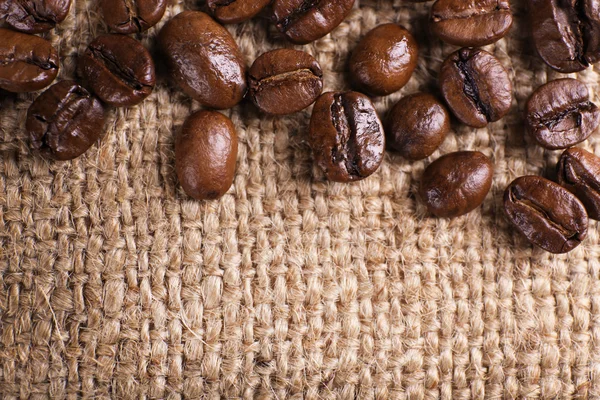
132	16
205	155
236	11
27	62
417	126
547	214
566	33
578	171
118	69
456	184
471	23
284	81
346	136
65	121
36	16
560	114
303	21
476	87
384	60
203	59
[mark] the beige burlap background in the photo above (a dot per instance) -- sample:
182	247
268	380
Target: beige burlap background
115	284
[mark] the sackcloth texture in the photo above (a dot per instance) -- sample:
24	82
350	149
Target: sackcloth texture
115	284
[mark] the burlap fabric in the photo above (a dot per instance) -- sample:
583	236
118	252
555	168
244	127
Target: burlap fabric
117	285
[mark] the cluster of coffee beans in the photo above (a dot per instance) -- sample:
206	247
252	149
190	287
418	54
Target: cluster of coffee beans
346	134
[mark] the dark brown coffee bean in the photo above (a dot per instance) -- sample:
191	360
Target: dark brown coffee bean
303	21
118	69
346	136
65	121
236	11
476	87
566	33
384	60
36	16
284	81
27	62
203	59
578	171
560	114
417	126
547	214
132	16
205	155
471	23
456	184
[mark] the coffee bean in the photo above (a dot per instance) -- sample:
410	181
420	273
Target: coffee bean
236	11
566	33
471	23
27	62
384	60
456	183
284	81
476	87
560	114
346	136
36	16
417	126
547	214
64	121
578	171
303	21
205	155
118	69
203	59
132	16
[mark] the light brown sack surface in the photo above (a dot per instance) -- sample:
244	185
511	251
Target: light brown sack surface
115	284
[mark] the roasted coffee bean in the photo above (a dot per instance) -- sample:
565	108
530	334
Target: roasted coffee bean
384	60
118	69
205	155
566	33
547	214
471	23
417	126
578	171
560	114
236	11
27	62
303	21
346	136
65	121
456	183
284	81
203	59
132	16
36	16
476	87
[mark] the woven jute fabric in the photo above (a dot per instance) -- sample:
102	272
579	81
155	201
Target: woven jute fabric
115	284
